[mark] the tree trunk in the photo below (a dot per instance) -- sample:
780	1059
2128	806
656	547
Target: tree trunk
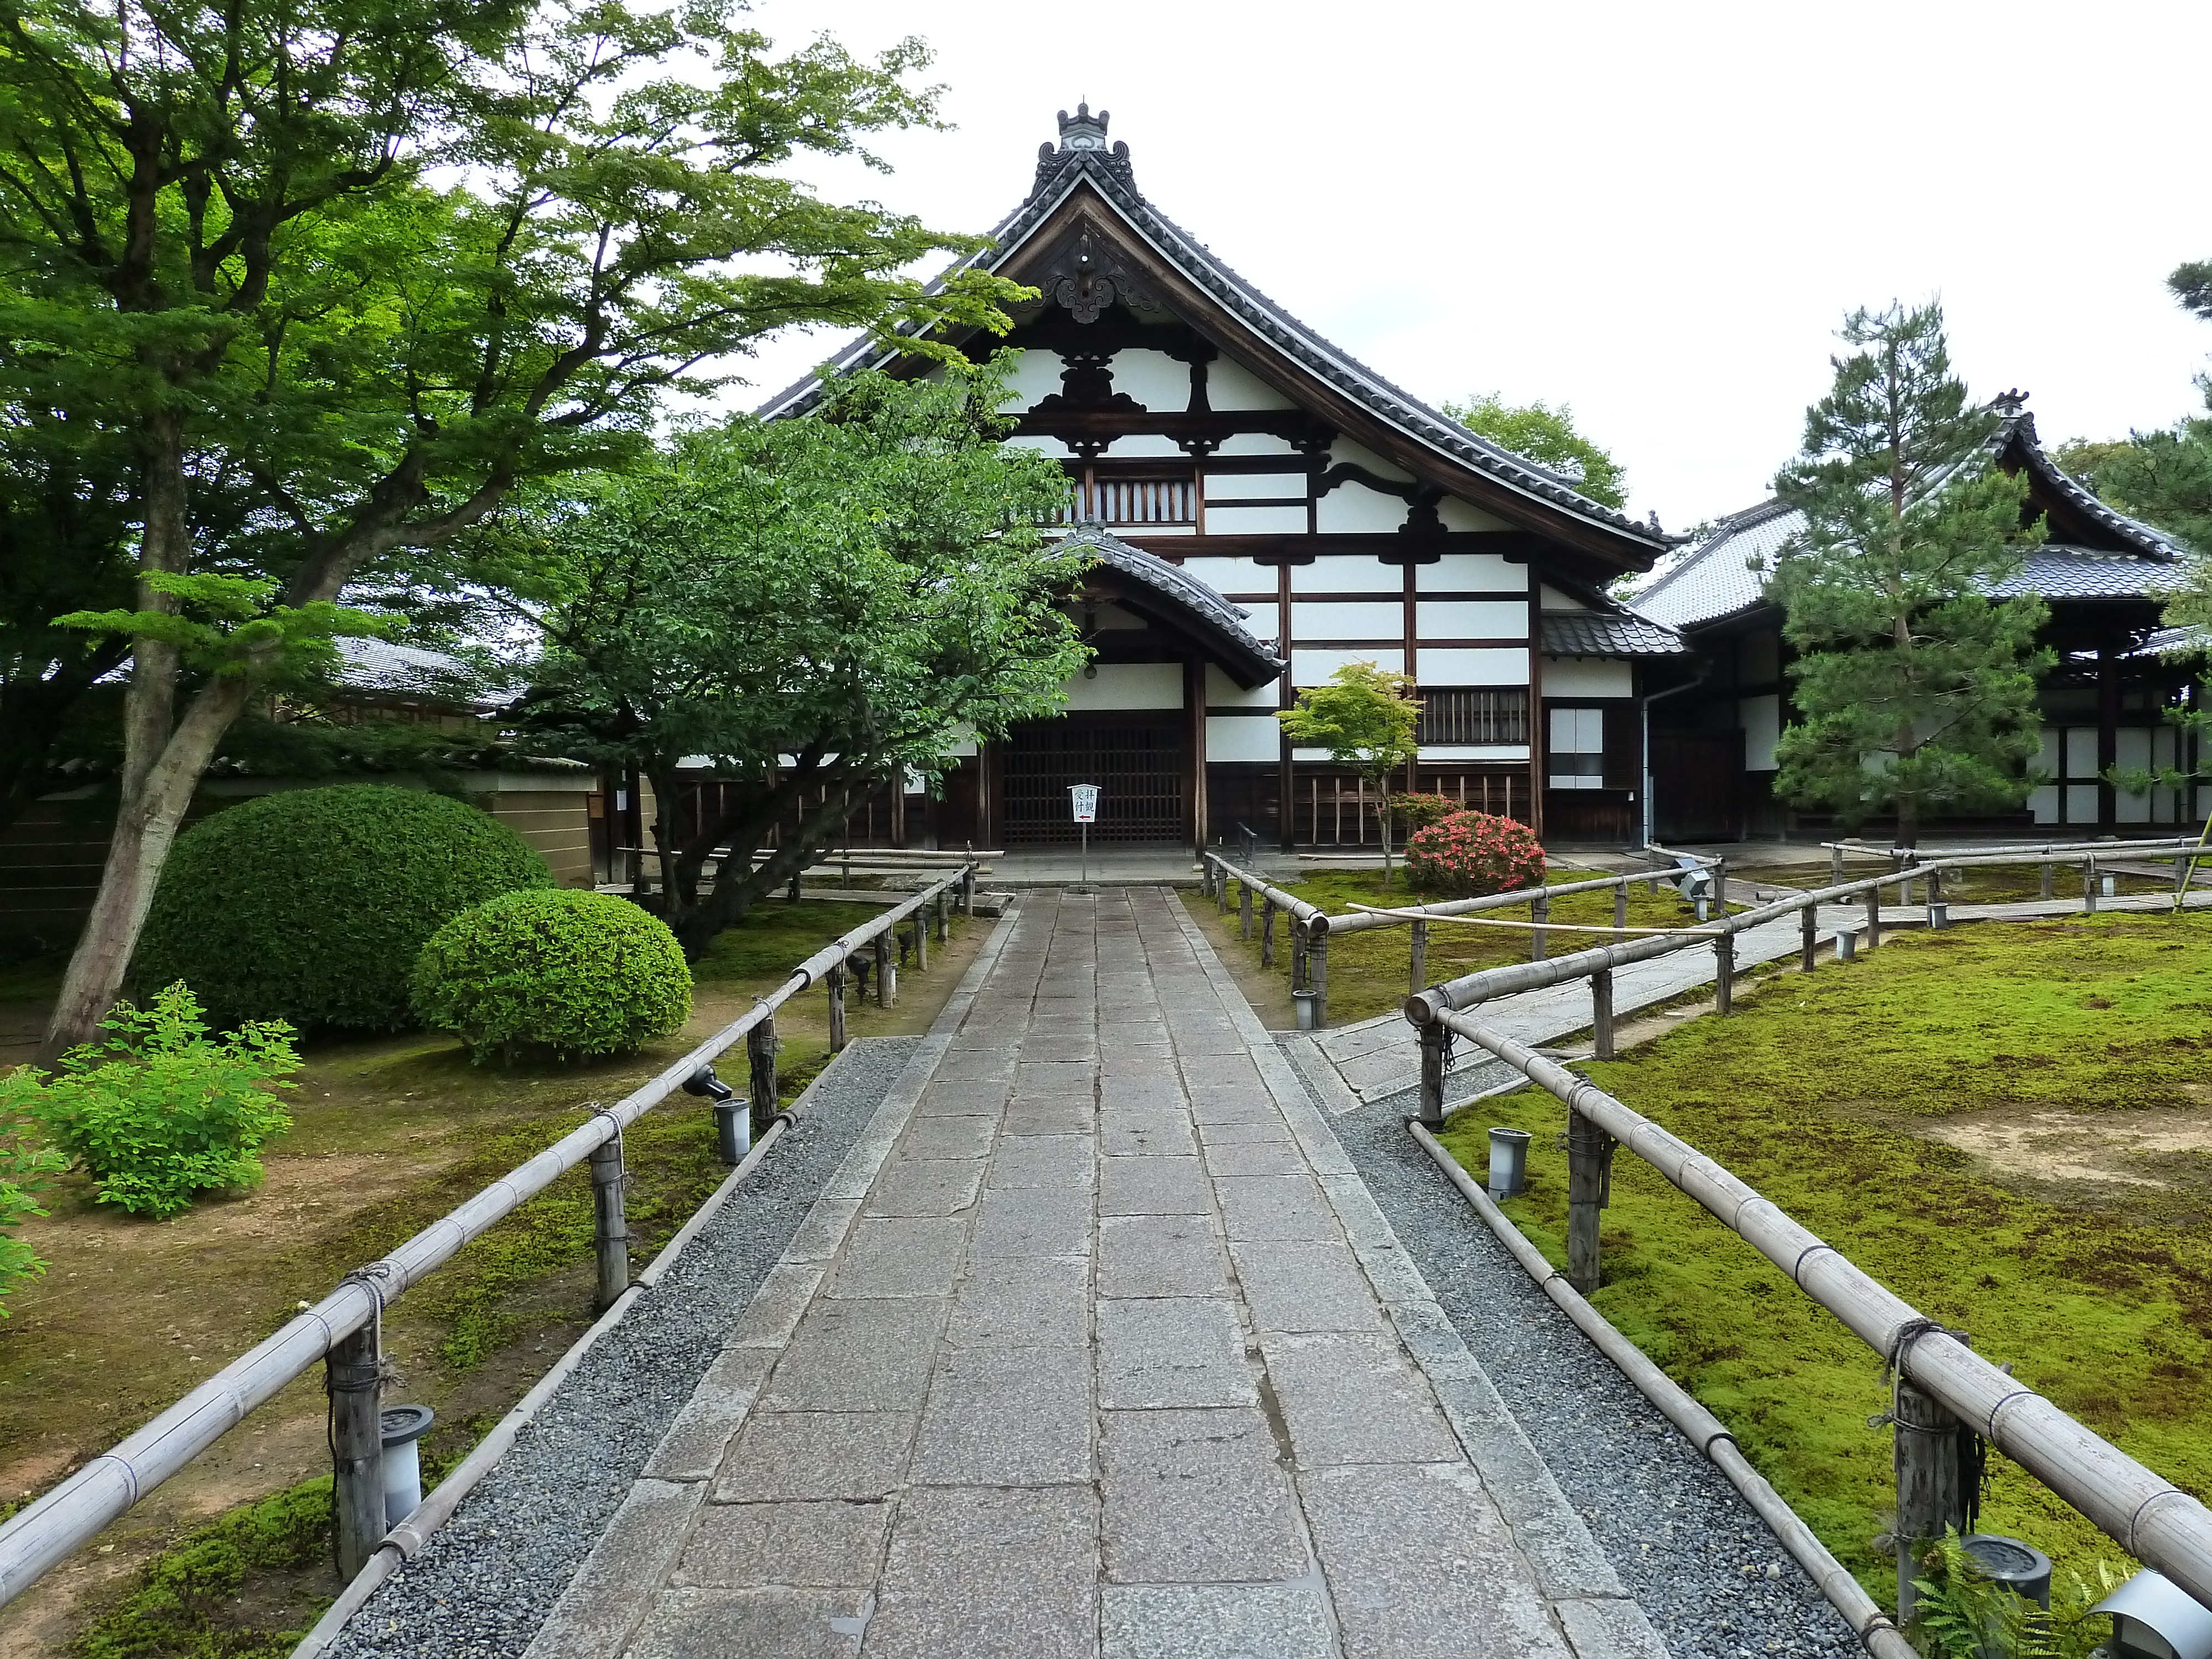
1383	813
737	885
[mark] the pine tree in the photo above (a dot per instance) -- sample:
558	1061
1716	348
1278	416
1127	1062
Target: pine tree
1915	692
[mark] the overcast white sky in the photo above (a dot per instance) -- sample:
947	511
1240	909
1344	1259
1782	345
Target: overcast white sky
1655	213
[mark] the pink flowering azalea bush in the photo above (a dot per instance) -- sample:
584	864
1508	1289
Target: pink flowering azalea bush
1471	853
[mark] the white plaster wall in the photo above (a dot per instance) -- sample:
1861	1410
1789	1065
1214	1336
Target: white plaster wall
1242	737
1761	720
1230	576
1222	692
1484	665
1141	446
1588	677
1360	455
1347	573
1479	573
1229	384
1153	377
1255	520
1460	515
1254	486
1552	599
1266	622
1471	619
1354	509
1128	685
1036	376
1469	751
1313	667
1377	619
1255	443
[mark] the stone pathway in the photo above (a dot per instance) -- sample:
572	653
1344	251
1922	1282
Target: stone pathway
1097	1346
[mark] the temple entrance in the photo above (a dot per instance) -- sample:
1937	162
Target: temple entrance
1140	762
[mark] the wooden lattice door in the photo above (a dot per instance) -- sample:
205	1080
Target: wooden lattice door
1139	761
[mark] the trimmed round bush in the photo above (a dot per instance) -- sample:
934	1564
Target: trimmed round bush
1471	853
572	972
311	906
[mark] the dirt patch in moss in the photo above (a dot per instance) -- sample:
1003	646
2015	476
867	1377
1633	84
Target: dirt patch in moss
1897	1107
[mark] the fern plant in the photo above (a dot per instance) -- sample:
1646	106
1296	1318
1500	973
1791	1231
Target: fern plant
1963	1614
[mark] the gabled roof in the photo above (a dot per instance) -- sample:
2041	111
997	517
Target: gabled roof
2095	553
1601	633
1082	165
373	665
1182	599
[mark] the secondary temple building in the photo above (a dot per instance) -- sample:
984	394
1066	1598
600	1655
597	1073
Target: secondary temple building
1262	508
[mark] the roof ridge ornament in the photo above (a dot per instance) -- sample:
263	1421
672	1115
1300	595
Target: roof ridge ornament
1083	138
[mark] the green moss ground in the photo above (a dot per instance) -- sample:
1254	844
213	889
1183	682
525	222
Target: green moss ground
1820	1092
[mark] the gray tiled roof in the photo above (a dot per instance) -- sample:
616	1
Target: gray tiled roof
366	665
1725	573
1108	172
1215	615
1599	633
2084	573
2175	641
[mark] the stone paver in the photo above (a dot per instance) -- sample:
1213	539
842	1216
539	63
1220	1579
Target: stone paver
1090	1353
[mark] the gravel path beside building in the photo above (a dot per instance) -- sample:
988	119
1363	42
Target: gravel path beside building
484	1584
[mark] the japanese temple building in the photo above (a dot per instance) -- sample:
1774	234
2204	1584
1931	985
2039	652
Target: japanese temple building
1261	509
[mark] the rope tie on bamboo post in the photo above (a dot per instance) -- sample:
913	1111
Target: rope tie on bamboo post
1901	1341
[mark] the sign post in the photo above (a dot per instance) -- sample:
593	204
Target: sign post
1083	800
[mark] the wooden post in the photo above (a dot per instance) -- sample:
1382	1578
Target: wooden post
1589	1184
611	1227
1835	866
1620	905
760	1051
944	918
1720	887
791	893
1267	933
2046	878
1807	926
1220	889
1317	977
1418	959
1435	1056
886	991
353	1373
1873	917
1301	956
920	942
835	979
1601	1013
1724	973
1539	912
1931	1493
968	891
2089	885
1244	911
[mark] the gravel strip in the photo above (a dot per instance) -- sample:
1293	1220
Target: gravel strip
1709	1574
487	1579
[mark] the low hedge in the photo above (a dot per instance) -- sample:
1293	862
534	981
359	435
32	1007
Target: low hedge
311	906
574	973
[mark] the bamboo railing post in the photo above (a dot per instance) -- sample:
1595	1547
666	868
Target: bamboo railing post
1317	975
2089	885
1836	866
944	918
1220	891
968	891
921	943
1874	915
610	1225
353	1373
760	1053
2047	892
1435	1056
886	971
2180	881
1590	1182
1539	912
1418	957
1720	887
1301	955
1244	911
1600	984
1809	925
1620	904
1267	933
1724	973
1931	1491
835	979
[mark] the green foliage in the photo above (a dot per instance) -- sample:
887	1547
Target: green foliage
1914	693
1838	1095
160	1112
861	589
24	1169
312	905
575	973
183	1603
1467	855
1548	436
1369	719
1417	811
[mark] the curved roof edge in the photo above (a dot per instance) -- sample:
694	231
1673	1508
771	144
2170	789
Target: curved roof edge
1217	624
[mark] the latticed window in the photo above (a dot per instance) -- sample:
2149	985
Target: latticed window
1486	713
1134	500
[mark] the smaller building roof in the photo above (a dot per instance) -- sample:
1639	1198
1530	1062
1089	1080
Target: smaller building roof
408	670
1189	602
1602	634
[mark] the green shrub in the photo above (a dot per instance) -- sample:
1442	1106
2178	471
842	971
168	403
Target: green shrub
160	1112
1419	811
311	906
576	973
23	1169
1471	853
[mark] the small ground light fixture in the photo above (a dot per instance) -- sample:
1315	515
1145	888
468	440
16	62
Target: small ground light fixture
733	1119
1508	1163
402	1425
2153	1618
